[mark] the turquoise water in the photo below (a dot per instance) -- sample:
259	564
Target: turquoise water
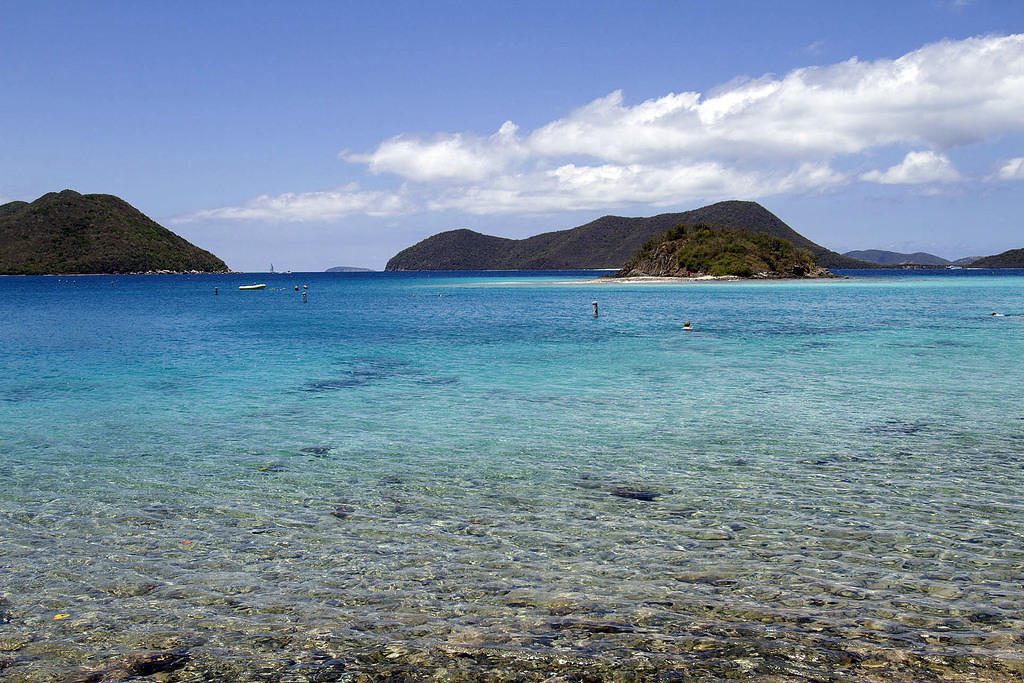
470	477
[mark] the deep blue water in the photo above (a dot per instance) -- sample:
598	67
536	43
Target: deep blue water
823	476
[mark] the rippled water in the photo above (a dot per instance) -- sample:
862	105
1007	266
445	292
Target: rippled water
469	477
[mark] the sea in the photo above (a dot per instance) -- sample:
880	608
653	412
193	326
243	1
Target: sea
471	477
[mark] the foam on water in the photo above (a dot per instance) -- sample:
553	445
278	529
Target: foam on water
413	472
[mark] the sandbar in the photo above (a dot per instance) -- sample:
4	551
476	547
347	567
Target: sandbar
660	279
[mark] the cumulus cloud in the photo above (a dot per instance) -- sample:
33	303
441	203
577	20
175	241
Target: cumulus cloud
1011	170
749	138
916	168
941	96
462	156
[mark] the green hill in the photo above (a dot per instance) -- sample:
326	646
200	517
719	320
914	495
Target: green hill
1014	258
706	250
456	250
68	232
607	242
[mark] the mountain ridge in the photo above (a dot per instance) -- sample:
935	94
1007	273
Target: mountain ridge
894	258
606	242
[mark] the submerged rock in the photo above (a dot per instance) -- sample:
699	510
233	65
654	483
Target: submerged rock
316	450
636	494
320	672
590	626
145	663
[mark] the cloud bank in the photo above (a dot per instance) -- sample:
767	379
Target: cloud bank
750	138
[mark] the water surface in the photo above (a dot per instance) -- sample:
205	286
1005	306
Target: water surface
468	476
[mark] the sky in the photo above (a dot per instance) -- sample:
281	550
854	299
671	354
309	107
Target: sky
316	134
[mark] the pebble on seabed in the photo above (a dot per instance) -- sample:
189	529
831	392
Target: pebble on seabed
343	511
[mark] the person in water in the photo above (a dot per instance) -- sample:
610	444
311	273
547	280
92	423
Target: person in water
686	325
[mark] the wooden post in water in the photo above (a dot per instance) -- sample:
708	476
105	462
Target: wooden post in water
594	304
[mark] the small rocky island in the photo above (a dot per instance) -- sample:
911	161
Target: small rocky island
705	250
70	233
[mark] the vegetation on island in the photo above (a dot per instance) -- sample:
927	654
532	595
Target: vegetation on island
607	242
710	250
67	232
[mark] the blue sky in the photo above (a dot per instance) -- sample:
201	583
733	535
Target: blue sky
315	134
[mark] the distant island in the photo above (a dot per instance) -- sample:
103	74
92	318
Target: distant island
1014	258
607	242
893	258
708	250
71	233
349	269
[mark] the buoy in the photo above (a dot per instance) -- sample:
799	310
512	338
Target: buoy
296	288
61	616
305	286
594	304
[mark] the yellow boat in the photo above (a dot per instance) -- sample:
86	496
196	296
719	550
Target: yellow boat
252	286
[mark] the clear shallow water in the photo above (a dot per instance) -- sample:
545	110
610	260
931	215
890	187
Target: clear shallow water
415	475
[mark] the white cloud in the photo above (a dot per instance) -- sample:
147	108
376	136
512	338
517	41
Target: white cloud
574	187
1011	170
915	169
308	206
942	96
457	157
749	138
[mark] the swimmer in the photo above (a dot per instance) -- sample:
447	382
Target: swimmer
686	325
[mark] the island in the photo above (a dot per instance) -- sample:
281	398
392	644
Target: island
349	269
705	250
605	243
1014	258
71	233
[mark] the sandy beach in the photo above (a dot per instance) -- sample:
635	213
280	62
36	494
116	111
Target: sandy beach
655	280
